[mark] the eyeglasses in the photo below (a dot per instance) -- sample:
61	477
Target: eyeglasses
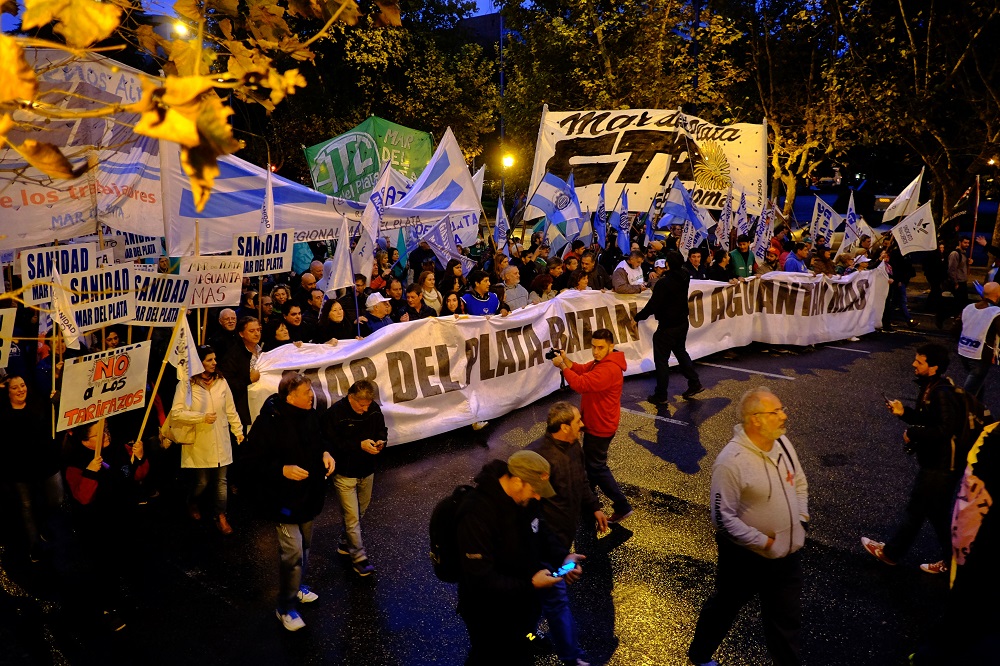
779	410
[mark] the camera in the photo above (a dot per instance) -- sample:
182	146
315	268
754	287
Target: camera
552	353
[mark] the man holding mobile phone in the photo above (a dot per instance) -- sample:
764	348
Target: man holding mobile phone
357	426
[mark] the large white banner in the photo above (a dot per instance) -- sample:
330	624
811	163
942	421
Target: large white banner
122	187
438	374
100	385
642	150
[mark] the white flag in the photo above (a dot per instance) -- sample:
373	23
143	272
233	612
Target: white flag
852	230
725	221
742	223
267	208
184	356
63	314
824	220
916	232
906	202
363	255
342	275
765	232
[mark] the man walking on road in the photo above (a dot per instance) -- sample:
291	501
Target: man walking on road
669	304
561	516
599	383
978	343
760	508
933	426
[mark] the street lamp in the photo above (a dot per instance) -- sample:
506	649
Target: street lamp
180	29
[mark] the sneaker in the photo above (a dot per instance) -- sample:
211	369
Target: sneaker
658	399
619	517
291	620
935	567
113	621
342	548
306	595
223	525
364	568
692	391
877	550
479	425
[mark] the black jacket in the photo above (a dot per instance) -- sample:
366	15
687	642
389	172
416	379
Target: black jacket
346	429
937	418
574	498
669	302
286	435
235	367
699	273
497	543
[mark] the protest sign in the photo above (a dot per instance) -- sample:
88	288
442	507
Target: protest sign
38	262
159	297
6	332
215	281
264	255
100	385
439	374
100	297
104	258
128	246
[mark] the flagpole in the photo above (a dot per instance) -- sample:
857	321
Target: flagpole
524	220
353	287
975	220
163	365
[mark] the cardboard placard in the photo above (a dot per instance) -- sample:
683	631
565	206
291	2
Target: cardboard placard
100	385
265	255
37	264
216	281
159	297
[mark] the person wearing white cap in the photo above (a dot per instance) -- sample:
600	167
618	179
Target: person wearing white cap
659	268
379	308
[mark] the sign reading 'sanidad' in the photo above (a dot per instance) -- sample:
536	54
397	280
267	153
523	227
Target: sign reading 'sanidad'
264	255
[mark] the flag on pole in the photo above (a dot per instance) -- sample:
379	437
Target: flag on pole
765	232
363	255
852	231
342	275
621	221
916	232
906	202
441	240
184	356
725	221
267	208
742	223
63	314
824	220
556	199
501	230
600	219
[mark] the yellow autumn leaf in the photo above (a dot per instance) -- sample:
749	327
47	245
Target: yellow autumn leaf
284	84
388	14
6	123
48	159
170	125
243	61
201	167
349	14
81	22
227	7
189	57
149	40
190	9
183	89
266	22
213	125
17	77
226	26
306	8
293	47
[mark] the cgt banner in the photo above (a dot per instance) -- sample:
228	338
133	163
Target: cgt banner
439	374
642	150
100	385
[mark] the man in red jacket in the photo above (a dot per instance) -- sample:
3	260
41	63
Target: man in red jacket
599	384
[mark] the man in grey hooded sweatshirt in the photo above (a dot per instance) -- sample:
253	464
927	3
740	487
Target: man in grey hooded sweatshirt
760	508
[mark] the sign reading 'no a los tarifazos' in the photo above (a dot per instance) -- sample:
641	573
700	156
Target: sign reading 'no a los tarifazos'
100	385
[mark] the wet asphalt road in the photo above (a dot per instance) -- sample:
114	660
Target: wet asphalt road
199	598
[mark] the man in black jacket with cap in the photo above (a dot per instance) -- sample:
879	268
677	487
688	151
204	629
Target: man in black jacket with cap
294	461
669	304
501	570
357	426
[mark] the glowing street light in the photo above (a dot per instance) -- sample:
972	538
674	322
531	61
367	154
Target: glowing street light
181	29
508	161
991	162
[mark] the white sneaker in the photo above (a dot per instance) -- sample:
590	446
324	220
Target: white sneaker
306	595
291	620
479	425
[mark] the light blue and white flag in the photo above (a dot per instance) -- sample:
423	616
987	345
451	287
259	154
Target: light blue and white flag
824	220
501	231
363	255
906	202
442	241
620	219
600	219
765	232
679	204
742	223
183	355
556	199
62	313
852	227
267	208
725	227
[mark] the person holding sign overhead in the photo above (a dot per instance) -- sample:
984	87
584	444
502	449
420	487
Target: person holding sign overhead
209	454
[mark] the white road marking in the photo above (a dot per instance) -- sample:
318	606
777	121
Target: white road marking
752	372
856	351
655	416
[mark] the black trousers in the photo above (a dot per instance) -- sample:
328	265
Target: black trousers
931	499
742	574
500	636
667	341
595	455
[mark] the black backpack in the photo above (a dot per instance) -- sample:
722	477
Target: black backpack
977	417
444	536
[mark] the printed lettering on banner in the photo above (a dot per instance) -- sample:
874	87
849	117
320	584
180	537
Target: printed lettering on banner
6	332
100	385
265	255
216	281
37	264
128	246
439	374
159	297
100	297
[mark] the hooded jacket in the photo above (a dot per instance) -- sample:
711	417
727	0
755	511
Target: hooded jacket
573	499
669	302
754	497
599	384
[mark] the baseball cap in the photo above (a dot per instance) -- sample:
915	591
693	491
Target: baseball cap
660	263
861	259
533	469
375	299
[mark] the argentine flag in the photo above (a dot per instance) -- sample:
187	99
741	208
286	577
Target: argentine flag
600	219
556	199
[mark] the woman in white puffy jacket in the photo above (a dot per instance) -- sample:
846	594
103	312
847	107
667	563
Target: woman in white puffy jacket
211	453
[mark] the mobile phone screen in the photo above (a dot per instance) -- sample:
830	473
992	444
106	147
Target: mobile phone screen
564	569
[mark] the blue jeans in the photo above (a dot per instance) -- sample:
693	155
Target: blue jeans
978	370
200	477
355	495
293	553
35	515
555	607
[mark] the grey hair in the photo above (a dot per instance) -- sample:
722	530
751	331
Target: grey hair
362	389
559	414
750	403
507	271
